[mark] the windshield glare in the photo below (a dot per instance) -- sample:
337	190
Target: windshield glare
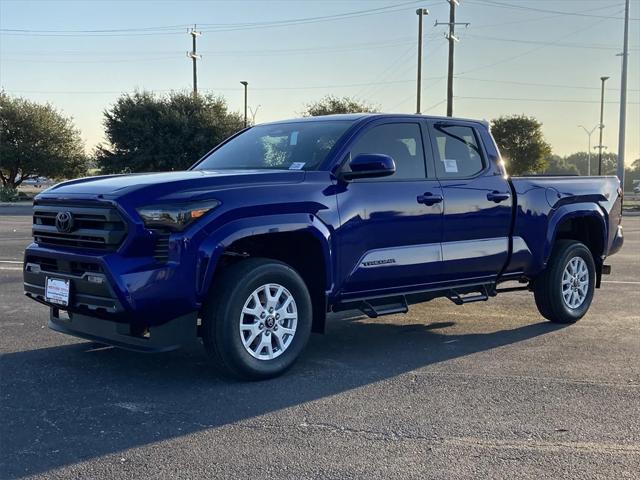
292	146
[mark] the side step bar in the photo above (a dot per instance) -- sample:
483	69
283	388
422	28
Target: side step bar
483	294
377	307
374	309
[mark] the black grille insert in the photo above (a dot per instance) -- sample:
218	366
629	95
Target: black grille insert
161	249
94	227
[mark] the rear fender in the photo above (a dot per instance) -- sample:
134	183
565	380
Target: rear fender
568	212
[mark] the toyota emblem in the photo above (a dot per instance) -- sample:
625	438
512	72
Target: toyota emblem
64	222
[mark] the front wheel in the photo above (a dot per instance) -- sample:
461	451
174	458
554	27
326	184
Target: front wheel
564	290
257	320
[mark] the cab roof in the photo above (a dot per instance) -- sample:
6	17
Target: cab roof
360	116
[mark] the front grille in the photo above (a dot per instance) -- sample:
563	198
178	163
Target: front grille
94	227
161	249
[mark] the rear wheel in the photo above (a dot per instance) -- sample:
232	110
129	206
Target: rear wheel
564	290
257	319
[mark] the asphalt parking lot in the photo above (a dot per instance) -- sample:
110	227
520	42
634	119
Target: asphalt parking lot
485	390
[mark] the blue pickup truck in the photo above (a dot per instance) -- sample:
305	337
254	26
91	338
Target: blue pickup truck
285	222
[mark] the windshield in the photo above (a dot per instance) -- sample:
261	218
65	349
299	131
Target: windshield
292	146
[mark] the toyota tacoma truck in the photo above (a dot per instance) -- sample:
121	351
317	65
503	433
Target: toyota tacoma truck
286	222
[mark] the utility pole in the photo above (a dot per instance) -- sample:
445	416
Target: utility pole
600	147
421	12
194	56
589	133
623	97
451	36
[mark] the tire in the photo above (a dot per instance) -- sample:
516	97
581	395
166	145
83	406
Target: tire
226	327
568	302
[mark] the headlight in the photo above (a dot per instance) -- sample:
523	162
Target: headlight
175	217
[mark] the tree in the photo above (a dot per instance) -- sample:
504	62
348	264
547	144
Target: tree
630	174
36	140
330	105
521	142
557	165
580	160
158	133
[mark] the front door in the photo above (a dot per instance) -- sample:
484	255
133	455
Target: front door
477	217
389	238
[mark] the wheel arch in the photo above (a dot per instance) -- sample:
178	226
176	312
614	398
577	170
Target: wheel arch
585	223
299	240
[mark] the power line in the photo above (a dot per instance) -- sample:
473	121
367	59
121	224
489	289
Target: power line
551	44
529	20
117	92
552	100
534	84
527	52
211	27
234	53
123	60
493	3
317	87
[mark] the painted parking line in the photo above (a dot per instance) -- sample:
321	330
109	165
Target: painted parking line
621	281
12	269
11	261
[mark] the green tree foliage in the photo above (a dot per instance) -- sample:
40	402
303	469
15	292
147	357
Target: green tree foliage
580	160
557	165
36	140
630	174
521	143
330	105
157	133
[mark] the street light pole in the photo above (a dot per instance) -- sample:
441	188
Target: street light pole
600	147
246	84
589	133
420	12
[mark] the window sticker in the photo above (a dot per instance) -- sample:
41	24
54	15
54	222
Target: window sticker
297	165
450	165
294	138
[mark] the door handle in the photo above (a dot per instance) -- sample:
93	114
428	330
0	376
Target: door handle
429	198
498	197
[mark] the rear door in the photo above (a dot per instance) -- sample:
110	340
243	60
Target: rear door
389	238
477	198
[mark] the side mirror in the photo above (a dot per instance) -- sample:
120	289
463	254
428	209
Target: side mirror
370	165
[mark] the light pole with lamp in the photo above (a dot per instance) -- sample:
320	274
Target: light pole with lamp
600	146
246	84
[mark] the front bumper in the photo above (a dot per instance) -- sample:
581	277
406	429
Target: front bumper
168	336
147	310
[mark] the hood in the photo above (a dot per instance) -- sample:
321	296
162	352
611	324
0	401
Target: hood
169	184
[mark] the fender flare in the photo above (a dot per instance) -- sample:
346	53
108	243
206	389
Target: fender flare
568	212
214	246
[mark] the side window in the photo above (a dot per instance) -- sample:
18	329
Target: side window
457	151
402	142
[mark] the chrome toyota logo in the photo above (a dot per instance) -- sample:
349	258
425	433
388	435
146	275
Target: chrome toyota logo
64	222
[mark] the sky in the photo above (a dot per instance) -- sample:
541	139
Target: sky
542	58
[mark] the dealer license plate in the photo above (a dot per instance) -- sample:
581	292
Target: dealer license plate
57	291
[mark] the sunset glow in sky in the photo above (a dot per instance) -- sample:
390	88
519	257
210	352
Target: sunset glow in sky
538	57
